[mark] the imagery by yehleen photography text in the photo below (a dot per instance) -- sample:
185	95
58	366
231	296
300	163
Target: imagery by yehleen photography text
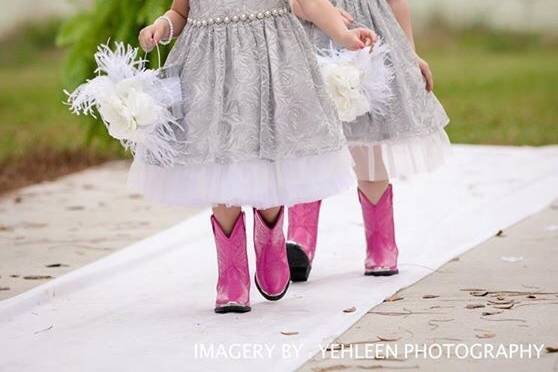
251	351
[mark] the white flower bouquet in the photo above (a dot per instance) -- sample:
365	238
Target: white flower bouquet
134	103
358	82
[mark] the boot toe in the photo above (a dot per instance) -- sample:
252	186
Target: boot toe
272	291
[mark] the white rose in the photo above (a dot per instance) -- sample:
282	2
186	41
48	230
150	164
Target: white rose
121	122
130	111
344	85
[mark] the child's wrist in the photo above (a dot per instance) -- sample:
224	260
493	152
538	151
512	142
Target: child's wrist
341	37
169	29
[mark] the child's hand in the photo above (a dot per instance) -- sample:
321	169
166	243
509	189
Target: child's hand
151	35
358	38
347	17
426	73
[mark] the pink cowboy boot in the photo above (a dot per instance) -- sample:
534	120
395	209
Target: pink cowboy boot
272	267
233	286
381	249
302	237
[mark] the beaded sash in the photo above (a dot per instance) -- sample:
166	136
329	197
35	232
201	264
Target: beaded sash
246	17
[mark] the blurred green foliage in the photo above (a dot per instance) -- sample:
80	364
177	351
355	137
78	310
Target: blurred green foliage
498	88
114	20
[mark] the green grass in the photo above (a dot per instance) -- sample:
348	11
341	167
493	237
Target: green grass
32	114
498	88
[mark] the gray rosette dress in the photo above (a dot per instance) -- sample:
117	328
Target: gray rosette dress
258	126
410	138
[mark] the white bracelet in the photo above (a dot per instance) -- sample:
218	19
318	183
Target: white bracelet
171	33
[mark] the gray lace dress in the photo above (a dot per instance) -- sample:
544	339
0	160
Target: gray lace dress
259	128
410	138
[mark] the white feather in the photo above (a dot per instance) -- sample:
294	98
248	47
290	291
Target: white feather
358	82
133	102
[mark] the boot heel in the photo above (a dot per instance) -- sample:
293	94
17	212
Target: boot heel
299	263
232	309
388	272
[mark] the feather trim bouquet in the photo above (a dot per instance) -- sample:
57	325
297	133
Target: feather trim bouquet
134	103
359	82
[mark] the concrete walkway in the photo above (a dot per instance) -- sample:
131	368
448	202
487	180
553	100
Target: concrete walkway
49	229
504	292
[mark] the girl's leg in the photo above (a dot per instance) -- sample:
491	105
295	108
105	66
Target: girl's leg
272	267
270	215
373	190
226	216
376	199
233	285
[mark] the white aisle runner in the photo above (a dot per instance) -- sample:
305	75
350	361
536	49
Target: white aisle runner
146	307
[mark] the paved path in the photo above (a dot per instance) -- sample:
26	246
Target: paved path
72	222
147	295
83	217
443	309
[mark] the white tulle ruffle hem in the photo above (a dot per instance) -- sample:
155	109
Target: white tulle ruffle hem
400	160
258	183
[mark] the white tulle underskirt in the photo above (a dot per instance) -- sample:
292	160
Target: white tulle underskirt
402	159
258	183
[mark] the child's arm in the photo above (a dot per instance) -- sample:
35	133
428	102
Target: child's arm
151	35
328	18
402	13
347	17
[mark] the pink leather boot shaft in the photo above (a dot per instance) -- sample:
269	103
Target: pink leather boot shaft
381	248
303	226
272	267
233	285
302	238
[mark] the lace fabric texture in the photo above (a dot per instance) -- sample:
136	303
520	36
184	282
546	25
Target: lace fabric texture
252	90
414	112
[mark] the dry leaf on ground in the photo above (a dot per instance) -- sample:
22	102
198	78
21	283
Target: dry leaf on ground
474	306
289	333
429	296
37	277
75	208
479	293
393	298
504	307
388	339
500	302
486	335
488	313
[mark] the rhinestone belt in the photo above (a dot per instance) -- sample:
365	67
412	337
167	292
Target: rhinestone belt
247	17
